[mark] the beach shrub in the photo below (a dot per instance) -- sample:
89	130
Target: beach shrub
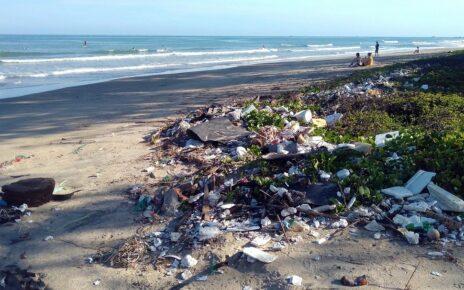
259	119
366	123
427	110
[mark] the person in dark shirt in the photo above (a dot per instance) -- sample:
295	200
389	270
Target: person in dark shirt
377	46
357	61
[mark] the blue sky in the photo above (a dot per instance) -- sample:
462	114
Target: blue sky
234	17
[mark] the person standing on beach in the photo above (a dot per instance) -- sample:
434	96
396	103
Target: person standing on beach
377	46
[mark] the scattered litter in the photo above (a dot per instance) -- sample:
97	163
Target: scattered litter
382	139
186	275
446	200
332	119
342	174
259	255
411	237
436	254
434	273
208	232
304	116
260	241
48	238
295	280
374	226
188	261
96	282
397	192
202	278
219	130
419	181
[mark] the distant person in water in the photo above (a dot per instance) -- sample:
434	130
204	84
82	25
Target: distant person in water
85	43
417	51
368	60
377	47
357	61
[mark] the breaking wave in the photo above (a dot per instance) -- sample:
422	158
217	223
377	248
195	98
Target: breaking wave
137	56
85	70
320	45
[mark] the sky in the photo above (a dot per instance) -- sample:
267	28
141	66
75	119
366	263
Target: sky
234	17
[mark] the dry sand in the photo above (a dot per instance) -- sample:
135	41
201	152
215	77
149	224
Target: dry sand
92	137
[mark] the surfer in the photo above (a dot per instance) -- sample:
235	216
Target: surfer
85	43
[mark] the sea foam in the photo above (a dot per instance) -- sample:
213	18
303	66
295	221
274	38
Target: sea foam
138	56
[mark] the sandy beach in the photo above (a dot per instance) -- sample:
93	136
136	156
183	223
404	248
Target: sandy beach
91	138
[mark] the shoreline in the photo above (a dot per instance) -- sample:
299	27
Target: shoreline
225	67
155	97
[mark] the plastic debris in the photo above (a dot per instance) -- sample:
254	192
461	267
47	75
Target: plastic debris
202	278
259	255
411	237
218	130
304	116
260	241
96	282
188	261
265	222
374	226
397	192
332	119
175	236
240	152
434	254
208	232
419	206
192	143
446	200
295	280
342	223
434	273
342	174
288	211
414	221
186	275
419	181
48	238
382	139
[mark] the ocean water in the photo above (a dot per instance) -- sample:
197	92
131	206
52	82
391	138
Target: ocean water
30	64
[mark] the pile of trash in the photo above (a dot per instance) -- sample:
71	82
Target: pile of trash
249	166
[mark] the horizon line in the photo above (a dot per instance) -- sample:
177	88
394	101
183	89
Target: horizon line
167	35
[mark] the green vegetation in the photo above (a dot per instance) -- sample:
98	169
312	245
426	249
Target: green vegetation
259	119
431	122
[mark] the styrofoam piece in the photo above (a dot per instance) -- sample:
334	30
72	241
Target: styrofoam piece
419	181
446	200
382	139
259	255
397	192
